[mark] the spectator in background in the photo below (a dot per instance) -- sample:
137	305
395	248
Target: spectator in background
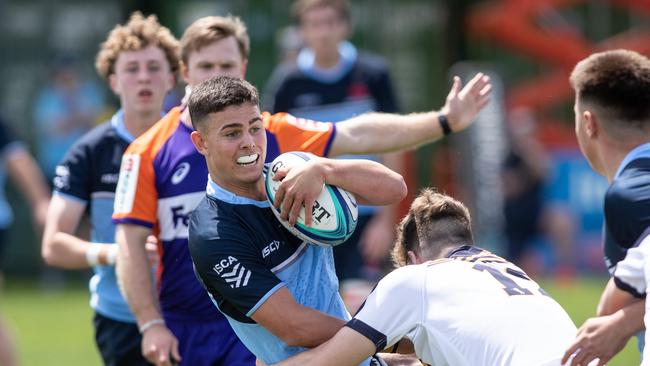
23	170
528	218
332	81
289	43
65	109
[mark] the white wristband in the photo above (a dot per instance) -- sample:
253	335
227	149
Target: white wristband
150	324
92	254
111	254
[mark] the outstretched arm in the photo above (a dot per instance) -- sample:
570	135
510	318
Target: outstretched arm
347	348
375	133
370	182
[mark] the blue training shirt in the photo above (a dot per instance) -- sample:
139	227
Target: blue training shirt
243	255
88	174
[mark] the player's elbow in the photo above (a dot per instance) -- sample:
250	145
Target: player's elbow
296	334
50	253
396	189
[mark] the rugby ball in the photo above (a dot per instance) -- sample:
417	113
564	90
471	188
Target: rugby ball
335	212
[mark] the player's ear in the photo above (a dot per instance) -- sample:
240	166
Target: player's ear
244	67
199	142
412	258
112	82
183	71
591	123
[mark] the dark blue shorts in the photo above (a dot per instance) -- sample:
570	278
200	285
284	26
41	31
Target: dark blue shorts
209	343
118	342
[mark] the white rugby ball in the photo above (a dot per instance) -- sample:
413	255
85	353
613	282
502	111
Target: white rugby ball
335	211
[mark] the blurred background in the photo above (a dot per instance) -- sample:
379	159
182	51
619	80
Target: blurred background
534	198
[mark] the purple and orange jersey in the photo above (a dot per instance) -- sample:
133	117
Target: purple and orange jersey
163	178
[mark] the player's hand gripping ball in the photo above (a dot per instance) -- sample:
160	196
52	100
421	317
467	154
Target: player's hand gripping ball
335	212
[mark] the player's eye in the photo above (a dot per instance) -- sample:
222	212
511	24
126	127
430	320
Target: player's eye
232	134
154	68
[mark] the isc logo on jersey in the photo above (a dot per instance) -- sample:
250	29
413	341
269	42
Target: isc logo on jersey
334	214
127	184
237	275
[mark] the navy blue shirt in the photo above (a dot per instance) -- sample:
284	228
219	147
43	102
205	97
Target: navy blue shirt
243	255
627	206
88	174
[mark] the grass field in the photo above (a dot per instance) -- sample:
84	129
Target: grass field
54	328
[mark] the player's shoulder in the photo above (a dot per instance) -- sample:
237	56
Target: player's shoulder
406	278
98	135
152	140
215	220
630	191
372	62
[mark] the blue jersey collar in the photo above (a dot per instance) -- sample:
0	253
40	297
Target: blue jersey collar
306	62
117	121
641	151
215	191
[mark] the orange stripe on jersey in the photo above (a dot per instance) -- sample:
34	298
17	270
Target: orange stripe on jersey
299	134
138	161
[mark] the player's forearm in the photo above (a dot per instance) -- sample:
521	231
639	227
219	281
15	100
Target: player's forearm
310	328
371	182
28	178
67	251
375	133
630	318
133	273
614	299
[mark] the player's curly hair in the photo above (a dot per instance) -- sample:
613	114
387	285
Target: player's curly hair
139	32
434	223
207	30
618	82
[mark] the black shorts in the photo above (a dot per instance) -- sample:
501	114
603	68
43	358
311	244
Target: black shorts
118	342
3	246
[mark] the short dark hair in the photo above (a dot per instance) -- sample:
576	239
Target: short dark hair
434	223
216	94
617	81
300	7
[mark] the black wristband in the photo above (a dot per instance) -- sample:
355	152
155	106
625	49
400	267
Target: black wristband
444	124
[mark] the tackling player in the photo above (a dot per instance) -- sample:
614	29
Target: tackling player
450	302
138	60
163	178
283	299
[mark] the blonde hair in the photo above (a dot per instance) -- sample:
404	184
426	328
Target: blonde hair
207	30
138	33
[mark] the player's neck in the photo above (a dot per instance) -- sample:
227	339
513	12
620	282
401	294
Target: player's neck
137	123
327	59
254	191
612	157
185	117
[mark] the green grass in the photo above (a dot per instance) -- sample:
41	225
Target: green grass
50	327
55	328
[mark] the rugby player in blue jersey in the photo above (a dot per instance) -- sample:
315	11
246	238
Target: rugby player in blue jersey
612	121
138	60
289	299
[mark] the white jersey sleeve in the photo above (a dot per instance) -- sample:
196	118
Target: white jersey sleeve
631	273
393	308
